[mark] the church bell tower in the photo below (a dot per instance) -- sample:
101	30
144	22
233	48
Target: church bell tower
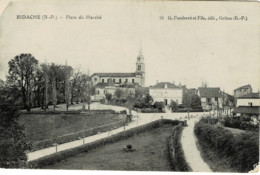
140	68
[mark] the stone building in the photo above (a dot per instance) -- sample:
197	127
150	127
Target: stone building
243	90
211	98
137	77
166	92
127	82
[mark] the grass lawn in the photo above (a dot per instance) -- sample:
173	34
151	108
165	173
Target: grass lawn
151	154
41	126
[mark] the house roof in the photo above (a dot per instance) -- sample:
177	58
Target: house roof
242	87
162	85
251	95
115	74
101	85
209	92
247	110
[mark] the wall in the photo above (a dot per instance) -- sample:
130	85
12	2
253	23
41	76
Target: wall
137	79
169	94
244	102
214	103
242	91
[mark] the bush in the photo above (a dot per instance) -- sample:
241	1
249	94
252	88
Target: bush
242	149
56	157
175	149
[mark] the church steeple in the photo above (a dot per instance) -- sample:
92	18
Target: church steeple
140	67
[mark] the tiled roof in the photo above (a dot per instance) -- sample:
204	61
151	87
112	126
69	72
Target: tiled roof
162	85
247	110
115	74
209	92
102	85
251	95
245	86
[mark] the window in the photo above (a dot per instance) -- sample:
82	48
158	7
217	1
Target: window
97	91
216	98
120	80
103	80
133	80
95	79
114	80
208	100
126	80
139	67
107	80
250	104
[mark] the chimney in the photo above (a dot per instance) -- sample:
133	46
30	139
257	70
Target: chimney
157	81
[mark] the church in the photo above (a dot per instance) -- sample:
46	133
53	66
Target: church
109	82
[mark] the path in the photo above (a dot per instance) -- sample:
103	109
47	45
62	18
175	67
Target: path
190	149
143	118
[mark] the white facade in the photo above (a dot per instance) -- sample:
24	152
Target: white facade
166	95
248	102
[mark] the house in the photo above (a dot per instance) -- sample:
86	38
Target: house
211	98
137	77
243	90
248	105
166	92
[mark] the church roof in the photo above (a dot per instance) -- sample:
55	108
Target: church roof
115	74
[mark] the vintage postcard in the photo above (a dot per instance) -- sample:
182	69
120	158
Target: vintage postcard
123	86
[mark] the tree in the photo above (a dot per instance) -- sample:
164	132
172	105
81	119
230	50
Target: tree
118	93
108	96
13	141
195	102
21	71
186	101
148	99
173	105
67	93
130	101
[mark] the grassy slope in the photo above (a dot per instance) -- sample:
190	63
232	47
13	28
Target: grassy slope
39	126
151	154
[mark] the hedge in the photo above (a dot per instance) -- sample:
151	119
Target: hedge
185	110
176	152
106	111
74	136
242	149
56	157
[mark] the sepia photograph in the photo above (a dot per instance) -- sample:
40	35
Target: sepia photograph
129	86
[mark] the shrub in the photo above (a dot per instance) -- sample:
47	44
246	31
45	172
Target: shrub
242	149
175	149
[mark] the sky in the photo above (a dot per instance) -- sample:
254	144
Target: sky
225	54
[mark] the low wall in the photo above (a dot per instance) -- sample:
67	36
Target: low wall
52	159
